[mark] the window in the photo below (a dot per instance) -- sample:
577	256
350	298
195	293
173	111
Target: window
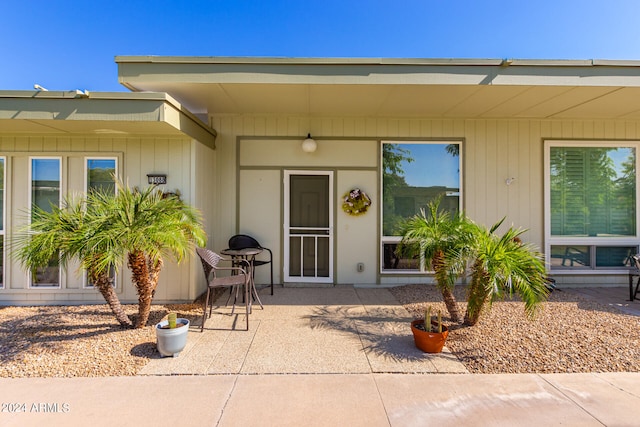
45	193
2	225
414	174
100	175
592	207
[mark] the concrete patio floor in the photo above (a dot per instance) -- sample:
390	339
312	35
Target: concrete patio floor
336	330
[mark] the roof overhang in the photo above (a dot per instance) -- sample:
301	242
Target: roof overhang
99	113
456	88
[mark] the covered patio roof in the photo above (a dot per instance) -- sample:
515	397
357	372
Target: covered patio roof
99	113
433	88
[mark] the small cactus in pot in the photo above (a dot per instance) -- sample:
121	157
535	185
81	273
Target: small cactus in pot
429	337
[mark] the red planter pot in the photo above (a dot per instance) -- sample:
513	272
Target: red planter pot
429	342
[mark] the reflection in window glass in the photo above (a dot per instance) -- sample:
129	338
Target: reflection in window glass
45	193
593	191
592	200
101	175
414	174
2	222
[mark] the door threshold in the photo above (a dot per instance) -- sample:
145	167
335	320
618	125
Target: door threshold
307	285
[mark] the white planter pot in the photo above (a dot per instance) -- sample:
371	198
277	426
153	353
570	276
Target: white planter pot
172	341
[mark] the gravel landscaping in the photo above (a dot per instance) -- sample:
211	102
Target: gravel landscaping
78	341
570	334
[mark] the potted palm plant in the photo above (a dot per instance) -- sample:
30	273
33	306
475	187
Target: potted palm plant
429	336
171	335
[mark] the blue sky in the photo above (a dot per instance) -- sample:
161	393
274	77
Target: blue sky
65	45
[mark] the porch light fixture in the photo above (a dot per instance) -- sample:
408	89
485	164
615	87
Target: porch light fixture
309	145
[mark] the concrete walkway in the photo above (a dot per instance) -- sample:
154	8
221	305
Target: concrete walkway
325	400
338	330
319	357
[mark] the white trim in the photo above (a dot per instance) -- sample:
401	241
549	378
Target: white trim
29	206
591	241
287	228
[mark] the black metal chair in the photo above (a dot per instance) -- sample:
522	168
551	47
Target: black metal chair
238	278
634	271
243	241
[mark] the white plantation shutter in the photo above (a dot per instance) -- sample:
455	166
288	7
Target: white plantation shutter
593	191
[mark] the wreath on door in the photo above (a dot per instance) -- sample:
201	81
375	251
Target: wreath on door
355	202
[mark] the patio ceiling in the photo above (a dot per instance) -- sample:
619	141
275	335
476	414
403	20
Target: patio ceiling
392	88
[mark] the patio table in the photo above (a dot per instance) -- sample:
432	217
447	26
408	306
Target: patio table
248	255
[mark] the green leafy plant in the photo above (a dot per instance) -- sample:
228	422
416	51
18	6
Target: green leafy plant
436	235
501	265
103	229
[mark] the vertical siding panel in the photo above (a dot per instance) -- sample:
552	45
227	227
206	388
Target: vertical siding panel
92	144
556	129
619	130
360	127
588	129
426	128
598	129
630	130
490	175
500	165
458	128
469	168
512	169
609	130
281	126
567	129
414	128
49	143
7	143
436	129
392	128
577	129
261	126
36	144
106	144
478	152
293	127
371	128
535	187
305	126
326	127
337	127
403	128
447	128
248	126
382	128
63	143
349	127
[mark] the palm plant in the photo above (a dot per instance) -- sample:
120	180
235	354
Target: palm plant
63	233
435	236
502	265
142	225
148	226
